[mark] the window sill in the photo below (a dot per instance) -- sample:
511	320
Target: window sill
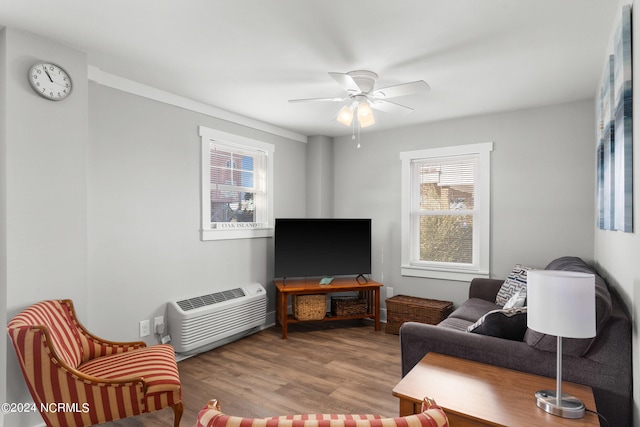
457	275
206	235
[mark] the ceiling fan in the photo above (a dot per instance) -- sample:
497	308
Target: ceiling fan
362	96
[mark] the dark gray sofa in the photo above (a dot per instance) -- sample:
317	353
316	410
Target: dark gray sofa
603	362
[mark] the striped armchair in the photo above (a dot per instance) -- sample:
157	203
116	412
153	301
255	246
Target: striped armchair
431	416
78	379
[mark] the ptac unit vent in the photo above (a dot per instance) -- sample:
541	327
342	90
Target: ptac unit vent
200	321
201	301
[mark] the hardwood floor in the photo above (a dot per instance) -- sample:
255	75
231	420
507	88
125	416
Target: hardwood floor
329	367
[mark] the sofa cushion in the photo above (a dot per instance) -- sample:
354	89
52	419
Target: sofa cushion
156	364
473	309
510	324
574	346
515	281
455	323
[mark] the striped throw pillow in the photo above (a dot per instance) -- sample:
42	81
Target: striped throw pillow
516	281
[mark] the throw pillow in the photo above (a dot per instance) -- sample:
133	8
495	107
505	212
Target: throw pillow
510	324
517	300
516	280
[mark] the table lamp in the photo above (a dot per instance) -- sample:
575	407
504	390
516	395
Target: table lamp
561	303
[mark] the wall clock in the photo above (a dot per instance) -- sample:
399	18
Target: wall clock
50	81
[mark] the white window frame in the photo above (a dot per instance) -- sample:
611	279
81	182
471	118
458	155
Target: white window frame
410	265
239	230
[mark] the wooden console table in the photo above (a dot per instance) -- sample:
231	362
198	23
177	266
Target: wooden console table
477	394
369	291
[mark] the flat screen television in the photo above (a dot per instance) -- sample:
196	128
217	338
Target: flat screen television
311	247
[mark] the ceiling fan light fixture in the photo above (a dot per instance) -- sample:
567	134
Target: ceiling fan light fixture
359	86
365	115
345	115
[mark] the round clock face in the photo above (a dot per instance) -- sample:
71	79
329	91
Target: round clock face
50	81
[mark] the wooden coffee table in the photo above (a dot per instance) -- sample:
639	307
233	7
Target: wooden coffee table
476	394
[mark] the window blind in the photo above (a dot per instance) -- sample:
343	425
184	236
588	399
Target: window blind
444	209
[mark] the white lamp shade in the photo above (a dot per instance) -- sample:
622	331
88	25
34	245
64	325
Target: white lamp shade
365	115
561	303
345	115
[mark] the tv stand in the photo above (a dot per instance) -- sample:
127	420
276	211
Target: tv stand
369	290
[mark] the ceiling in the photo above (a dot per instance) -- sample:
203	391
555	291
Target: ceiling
249	57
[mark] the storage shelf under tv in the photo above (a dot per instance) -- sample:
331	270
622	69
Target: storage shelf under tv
310	286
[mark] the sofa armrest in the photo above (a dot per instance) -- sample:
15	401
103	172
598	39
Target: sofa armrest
94	346
485	289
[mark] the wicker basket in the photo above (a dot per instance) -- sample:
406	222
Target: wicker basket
309	307
402	308
346	306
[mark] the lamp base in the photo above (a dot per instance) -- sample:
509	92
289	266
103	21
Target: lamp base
567	407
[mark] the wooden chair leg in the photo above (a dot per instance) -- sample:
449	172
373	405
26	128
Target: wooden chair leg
177	413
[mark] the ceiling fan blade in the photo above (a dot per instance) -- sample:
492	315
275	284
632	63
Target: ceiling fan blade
404	89
346	82
390	107
318	99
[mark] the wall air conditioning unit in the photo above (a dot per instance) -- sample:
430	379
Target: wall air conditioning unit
198	322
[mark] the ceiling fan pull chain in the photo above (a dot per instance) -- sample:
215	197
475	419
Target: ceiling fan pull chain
353	130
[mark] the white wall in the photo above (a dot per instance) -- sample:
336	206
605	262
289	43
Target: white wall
319	173
616	253
45	200
542	188
3	215
144	212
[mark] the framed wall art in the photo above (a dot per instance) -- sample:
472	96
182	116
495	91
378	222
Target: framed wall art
615	133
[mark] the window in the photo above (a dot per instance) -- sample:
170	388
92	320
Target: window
237	186
445	212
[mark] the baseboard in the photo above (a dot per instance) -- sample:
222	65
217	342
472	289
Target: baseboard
31	419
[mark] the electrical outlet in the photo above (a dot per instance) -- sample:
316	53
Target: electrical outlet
144	328
158	325
389	292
